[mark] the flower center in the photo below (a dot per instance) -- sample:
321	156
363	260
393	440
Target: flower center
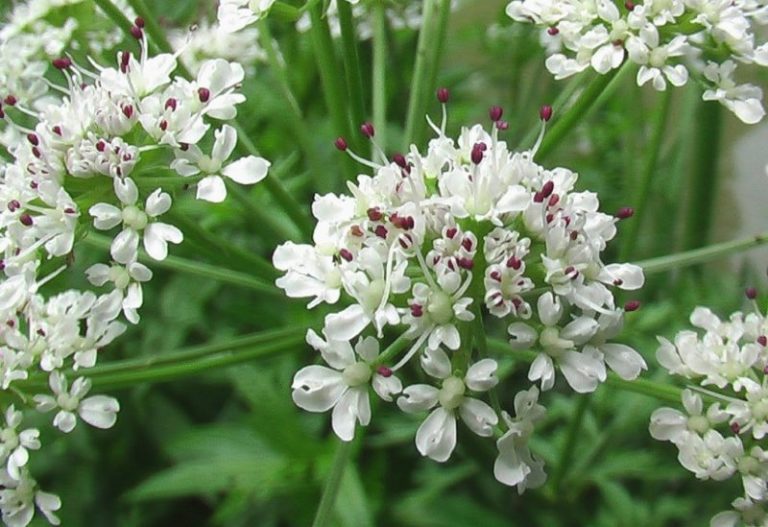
371	298
451	395
208	165
440	307
119	276
134	218
356	374
698	424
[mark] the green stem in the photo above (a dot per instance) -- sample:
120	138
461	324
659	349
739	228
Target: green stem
155	32
704	254
285	12
351	57
570	442
330	75
443	15
117	16
703	184
221	251
592	97
276	229
641	193
393	349
194	366
275	187
560	105
332	485
182	265
419	94
379	80
271	340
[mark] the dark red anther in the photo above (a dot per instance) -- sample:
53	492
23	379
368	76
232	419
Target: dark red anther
751	293
630	5
381	231
547	189
545	113
477	153
554	199
355	230
344	253
341	144
204	94
467	244
128	111
36	152
10	100
618	282
171	104
367	129
183	147
574	235
496	276
139	22
14	205
765	369
57	130
735	427
466	263
417	310
549	218
762	340
69	210
101	146
61	63
514	262
33	185
450	232
33	139
163	125
384	371
443	95
495	113
26	219
374	214
552	31
405	241
502	125
9	323
136	32
625	212
40	332
632	305
399	160
2	113
125	59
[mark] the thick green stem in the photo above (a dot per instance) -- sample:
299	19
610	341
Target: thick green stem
601	87
330	74
116	15
704	254
703	185
332	485
422	74
182	265
379	80
629	239
285	12
351	57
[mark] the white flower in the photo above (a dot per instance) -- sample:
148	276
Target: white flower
234	15
14	446
124	248
744	100
19	497
344	388
127	280
436	437
98	410
668	424
515	465
246	171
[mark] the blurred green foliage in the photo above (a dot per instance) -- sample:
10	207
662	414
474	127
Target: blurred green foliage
230	448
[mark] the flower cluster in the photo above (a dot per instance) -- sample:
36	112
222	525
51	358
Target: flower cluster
419	249
667	39
91	159
725	438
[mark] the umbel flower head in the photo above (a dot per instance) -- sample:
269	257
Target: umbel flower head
669	41
721	434
430	245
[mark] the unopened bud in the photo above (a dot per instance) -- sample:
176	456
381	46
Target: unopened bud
751	293
341	144
367	130
495	113
443	95
545	113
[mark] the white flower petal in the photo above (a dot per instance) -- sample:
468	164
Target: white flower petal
247	170
317	388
